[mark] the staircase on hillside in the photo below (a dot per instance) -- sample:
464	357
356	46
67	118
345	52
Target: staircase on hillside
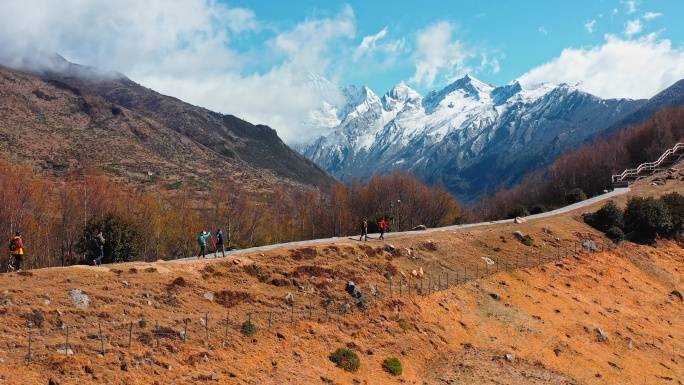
670	157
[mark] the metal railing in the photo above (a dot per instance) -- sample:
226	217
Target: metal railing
650	167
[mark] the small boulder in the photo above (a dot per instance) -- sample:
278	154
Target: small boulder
589	245
518	235
79	298
420	227
510	357
209	295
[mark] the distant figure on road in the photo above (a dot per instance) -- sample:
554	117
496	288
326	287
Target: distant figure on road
17	251
382	226
364	230
202	241
219	243
98	249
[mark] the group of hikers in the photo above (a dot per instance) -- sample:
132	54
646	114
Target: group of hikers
382	227
97	243
217	243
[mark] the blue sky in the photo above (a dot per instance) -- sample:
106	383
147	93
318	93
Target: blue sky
246	57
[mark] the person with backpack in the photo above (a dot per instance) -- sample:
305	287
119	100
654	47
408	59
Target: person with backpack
202	242
16	247
98	249
364	230
382	225
219	243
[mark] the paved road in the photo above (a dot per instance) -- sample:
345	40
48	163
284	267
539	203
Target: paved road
617	191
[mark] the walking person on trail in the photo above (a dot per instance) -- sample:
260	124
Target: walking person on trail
364	230
98	249
219	243
202	242
382	225
17	251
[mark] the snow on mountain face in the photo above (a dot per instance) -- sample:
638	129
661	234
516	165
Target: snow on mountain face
470	135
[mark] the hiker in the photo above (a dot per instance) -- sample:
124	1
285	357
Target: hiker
202	241
382	226
364	230
219	243
98	249
17	251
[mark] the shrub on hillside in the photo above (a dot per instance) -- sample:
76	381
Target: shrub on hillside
517	211
646	218
392	365
675	204
248	328
527	240
405	326
606	217
615	234
575	195
346	359
122	238
538	209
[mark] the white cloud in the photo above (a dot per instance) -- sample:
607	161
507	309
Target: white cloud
589	26
652	15
617	69
631	6
188	49
543	31
632	27
438	55
369	44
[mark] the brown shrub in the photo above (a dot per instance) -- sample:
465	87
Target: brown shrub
308	271
230	298
303	253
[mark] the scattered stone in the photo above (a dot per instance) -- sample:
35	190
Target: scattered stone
79	298
182	336
589	245
495	296
390	247
420	271
209	295
414	273
126	283
355	292
518	235
149	303
602	336
205	358
677	294
202	321
373	292
59	313
68	352
236	261
7	302
280	336
403	274
420	227
488	260
46	302
214	376
546	230
289	297
519	220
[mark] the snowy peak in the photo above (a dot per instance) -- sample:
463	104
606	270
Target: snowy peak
400	95
466	88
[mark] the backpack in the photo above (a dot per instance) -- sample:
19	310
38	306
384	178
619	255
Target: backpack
13	245
219	238
96	245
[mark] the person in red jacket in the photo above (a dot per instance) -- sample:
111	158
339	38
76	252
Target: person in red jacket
382	226
17	251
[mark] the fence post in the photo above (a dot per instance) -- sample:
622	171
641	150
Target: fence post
66	345
29	347
477	271
498	261
486	268
409	287
507	263
422	292
102	350
292	314
447	278
156	331
456	277
206	326
390	289
185	332
270	317
311	307
228	323
400	288
130	334
439	282
465	274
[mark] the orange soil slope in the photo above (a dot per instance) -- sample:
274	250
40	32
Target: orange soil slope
546	316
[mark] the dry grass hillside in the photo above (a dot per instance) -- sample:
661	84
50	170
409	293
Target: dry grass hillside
182	322
57	128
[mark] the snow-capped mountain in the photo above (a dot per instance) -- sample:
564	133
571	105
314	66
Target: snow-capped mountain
470	135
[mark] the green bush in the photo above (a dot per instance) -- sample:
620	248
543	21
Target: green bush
538	209
142	323
392	365
122	238
646	218
575	195
405	326
517	211
675	203
616	234
248	328
527	240
346	359
606	217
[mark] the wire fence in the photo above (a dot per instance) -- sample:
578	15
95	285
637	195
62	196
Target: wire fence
38	344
